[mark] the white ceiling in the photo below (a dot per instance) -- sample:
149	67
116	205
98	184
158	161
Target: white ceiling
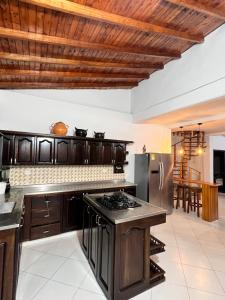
211	114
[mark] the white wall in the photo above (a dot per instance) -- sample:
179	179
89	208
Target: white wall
118	100
197	77
24	112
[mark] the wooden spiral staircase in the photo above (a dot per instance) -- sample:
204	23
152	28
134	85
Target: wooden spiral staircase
188	142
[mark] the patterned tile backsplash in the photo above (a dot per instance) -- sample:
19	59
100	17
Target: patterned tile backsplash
61	174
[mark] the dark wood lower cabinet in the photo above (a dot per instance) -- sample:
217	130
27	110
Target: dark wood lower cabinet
9	263
119	254
51	214
105	256
72	211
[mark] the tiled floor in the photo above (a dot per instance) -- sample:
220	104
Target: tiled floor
56	269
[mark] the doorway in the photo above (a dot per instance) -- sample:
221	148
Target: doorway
219	169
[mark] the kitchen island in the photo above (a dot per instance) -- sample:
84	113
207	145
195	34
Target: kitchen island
118	245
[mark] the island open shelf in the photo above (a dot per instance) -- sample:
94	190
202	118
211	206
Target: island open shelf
118	245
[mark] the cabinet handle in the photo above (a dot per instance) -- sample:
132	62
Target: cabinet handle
96	219
99	218
88	209
52	161
47	216
23	211
11	161
21	222
46	231
15	160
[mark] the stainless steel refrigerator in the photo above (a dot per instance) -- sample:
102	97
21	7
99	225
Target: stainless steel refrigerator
153	176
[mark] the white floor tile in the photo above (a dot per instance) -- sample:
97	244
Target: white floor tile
217	262
200	295
90	284
174	272
64	247
72	272
194	258
86	295
202	279
55	291
46	265
171	254
143	296
221	277
28	286
42	244
28	257
169	292
79	254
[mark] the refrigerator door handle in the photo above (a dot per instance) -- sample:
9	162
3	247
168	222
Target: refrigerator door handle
160	175
163	175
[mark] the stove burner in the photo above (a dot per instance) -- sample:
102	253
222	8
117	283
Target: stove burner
117	201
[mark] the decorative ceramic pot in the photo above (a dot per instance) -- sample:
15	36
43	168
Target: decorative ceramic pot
59	128
99	135
81	132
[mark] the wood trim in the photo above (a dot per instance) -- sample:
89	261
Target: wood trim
54	40
59	74
64	85
73	8
79	62
209	203
200	7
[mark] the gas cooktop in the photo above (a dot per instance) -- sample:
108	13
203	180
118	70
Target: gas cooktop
118	200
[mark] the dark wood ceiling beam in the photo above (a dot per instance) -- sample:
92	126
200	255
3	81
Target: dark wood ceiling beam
73	8
78	62
54	40
61	74
200	7
59	85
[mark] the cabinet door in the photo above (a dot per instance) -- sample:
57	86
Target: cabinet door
78	152
24	150
7	149
85	231
119	153
44	151
62	151
107	153
105	255
2	264
93	240
94	153
72	208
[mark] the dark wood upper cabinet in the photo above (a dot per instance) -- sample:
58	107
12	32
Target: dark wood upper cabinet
78	152
94	152
107	153
21	148
24	150
62	151
7	149
44	151
119	153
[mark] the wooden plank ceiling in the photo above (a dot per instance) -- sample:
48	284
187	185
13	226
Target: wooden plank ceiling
97	43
